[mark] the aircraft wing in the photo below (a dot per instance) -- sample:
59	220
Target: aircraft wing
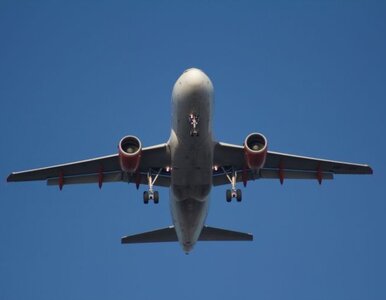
228	157
103	169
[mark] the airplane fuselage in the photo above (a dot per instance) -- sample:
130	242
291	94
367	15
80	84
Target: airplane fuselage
191	147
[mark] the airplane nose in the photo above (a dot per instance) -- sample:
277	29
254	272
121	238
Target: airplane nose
194	77
193	82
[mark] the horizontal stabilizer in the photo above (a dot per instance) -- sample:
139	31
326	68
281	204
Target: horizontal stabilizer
156	236
169	235
218	234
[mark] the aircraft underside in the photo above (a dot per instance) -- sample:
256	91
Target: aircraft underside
190	164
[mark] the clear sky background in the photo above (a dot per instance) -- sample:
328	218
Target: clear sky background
76	76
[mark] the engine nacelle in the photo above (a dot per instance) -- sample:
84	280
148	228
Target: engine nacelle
130	149
255	149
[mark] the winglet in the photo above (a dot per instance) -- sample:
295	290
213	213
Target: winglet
9	178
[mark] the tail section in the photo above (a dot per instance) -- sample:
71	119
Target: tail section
168	234
218	234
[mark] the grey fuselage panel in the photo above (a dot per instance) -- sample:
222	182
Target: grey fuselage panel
191	154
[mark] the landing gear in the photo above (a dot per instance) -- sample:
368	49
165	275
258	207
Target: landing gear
233	193
151	194
193	121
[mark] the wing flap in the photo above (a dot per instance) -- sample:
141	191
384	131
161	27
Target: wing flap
108	163
162	180
295	162
83	179
222	179
291	174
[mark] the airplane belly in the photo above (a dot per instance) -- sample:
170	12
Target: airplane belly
191	183
191	147
191	153
188	218
192	172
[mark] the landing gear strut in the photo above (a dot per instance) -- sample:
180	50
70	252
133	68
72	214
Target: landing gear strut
151	194
193	121
233	192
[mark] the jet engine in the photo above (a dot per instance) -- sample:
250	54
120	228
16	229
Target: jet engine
255	149
130	149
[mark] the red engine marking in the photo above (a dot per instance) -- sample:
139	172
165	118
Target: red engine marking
245	177
281	173
319	174
61	180
137	180
100	178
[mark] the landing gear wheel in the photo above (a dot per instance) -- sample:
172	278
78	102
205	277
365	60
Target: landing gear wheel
193	121
229	195
239	196
156	197
193	133
146	197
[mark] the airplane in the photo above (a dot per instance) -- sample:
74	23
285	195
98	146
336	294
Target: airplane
190	163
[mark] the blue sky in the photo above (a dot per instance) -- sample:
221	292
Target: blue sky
76	76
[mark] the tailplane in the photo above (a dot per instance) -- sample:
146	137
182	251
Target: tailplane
218	234
168	234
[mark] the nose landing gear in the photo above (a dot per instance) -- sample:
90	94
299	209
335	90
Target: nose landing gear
193	121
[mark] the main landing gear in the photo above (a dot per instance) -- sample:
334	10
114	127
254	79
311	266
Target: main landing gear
151	194
193	121
233	192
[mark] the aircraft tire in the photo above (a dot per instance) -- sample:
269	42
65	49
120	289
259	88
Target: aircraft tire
145	197
228	195
239	195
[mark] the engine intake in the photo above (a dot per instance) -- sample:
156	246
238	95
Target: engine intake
130	149
255	149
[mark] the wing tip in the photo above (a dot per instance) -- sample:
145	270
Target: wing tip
366	169
371	171
10	177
